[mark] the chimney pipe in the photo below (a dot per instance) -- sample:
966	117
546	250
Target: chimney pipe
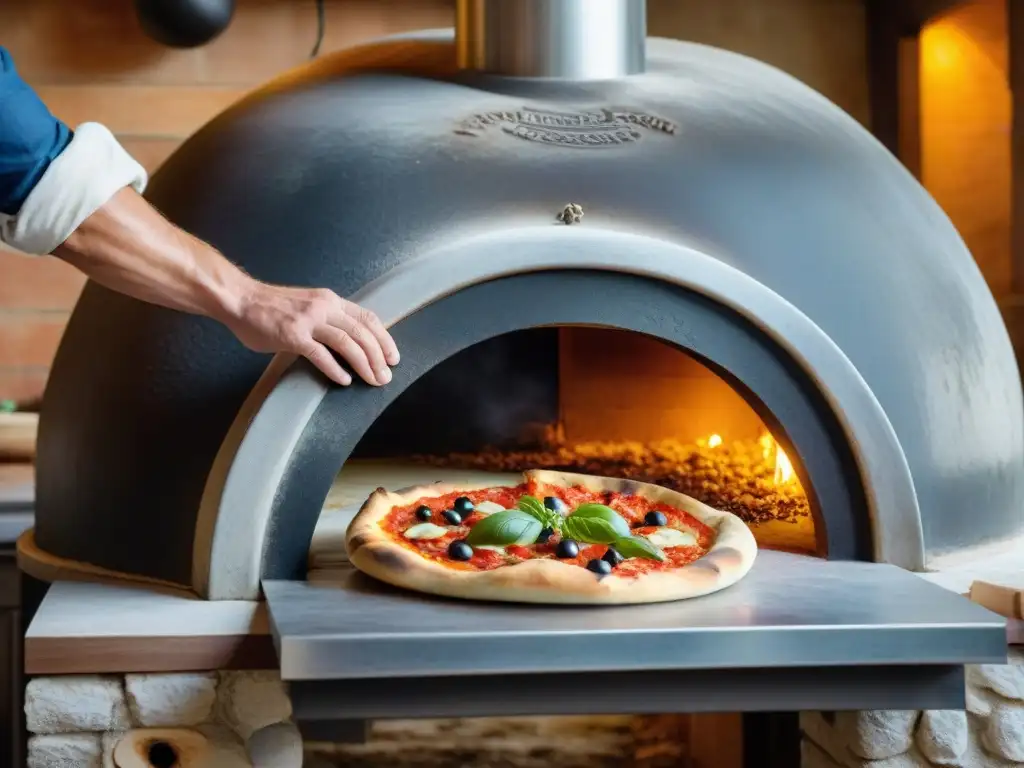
563	39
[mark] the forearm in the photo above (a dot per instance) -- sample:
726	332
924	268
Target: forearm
127	246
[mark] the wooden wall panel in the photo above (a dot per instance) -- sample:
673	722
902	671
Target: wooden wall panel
150	152
140	110
966	116
29	340
37	283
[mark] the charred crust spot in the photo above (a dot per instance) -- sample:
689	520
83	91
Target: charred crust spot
356	542
391	560
630	488
716	559
727	554
706	564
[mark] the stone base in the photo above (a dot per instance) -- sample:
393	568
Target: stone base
203	720
243	720
990	734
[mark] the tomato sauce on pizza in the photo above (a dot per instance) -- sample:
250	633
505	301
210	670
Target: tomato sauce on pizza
602	531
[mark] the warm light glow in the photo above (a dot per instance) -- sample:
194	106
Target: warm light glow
714	441
783	466
942	46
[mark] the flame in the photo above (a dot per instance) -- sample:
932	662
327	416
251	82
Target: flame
714	441
783	466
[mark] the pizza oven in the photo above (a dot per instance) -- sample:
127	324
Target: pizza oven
595	251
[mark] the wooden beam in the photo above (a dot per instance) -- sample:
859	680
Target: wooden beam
1015	27
716	740
917	13
893	84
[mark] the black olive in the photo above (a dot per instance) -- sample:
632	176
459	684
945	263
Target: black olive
567	548
463	505
655	518
452	517
600	567
612	557
544	535
555	504
423	513
460	550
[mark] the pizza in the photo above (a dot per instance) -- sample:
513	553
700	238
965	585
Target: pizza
556	537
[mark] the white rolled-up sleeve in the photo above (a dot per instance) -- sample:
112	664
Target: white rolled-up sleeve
80	180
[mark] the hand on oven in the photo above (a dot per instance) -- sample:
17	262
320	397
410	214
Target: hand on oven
314	323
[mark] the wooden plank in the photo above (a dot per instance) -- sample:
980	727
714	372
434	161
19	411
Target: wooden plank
1015	28
22	384
716	740
1015	632
103	629
268	37
264	38
29	338
908	97
28	282
141	110
151	153
893	82
89	41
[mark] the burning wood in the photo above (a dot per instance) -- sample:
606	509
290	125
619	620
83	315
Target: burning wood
753	479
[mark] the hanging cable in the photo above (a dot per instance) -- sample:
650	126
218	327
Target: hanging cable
321	25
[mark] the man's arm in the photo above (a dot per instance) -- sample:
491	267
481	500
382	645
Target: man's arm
129	247
78	196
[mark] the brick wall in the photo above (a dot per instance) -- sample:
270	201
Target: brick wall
90	62
965	129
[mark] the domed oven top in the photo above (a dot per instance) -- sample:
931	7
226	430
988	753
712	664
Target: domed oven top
721	205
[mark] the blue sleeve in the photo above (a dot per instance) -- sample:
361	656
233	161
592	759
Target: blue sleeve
30	137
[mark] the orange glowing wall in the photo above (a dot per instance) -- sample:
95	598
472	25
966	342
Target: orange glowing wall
618	386
965	129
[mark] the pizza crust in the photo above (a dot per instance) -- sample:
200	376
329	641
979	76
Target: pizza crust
371	550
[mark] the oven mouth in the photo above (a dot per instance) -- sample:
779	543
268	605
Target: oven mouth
757	369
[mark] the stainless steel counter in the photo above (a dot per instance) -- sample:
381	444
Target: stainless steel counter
796	633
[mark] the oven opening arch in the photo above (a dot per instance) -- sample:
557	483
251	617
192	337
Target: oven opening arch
268	484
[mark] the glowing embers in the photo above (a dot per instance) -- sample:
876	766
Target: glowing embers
751	478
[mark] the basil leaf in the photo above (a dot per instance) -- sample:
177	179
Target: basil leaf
637	546
513	526
592	530
601	512
534	507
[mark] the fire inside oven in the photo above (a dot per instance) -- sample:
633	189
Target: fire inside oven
606	402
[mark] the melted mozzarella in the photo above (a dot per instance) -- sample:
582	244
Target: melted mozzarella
492	548
488	508
671	537
425	531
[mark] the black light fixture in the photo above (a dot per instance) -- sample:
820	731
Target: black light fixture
184	23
